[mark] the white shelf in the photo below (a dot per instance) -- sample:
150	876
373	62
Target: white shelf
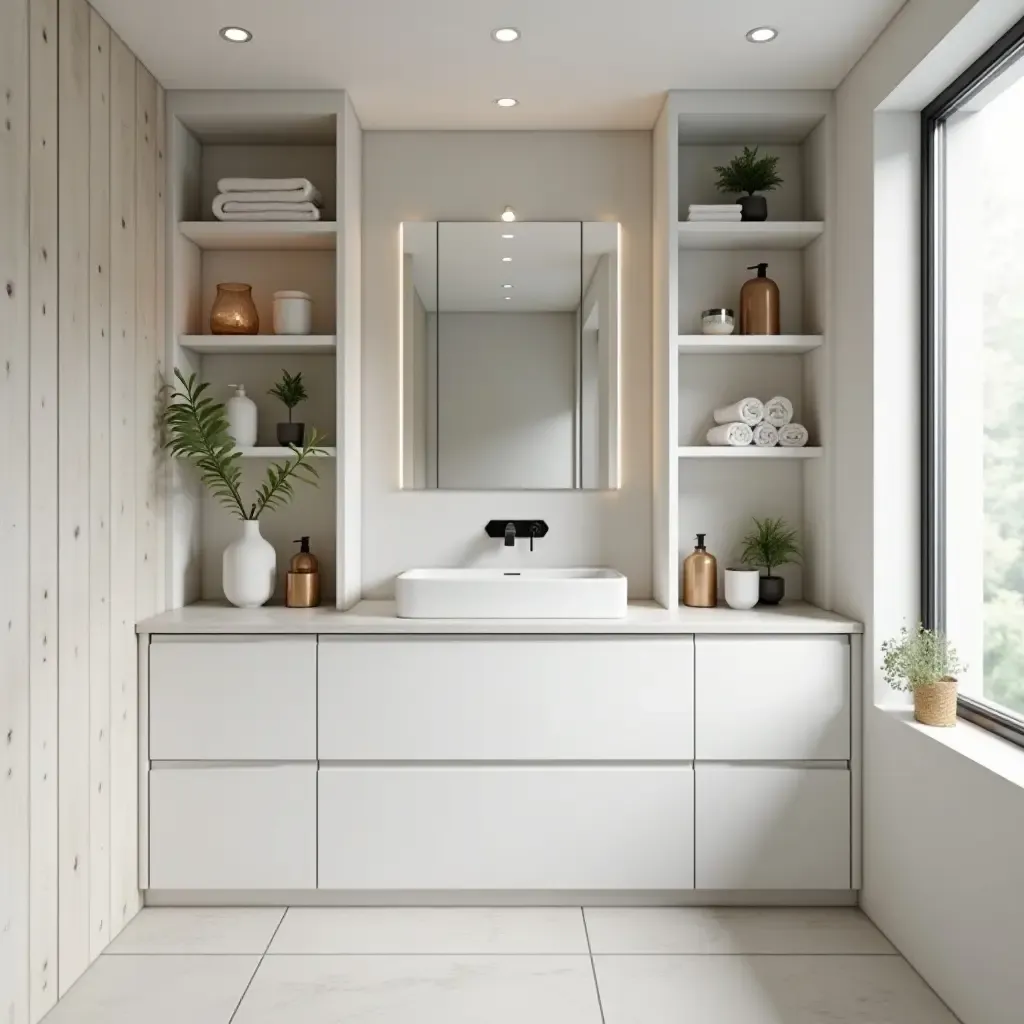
261	235
749	234
259	344
274	452
749	344
708	451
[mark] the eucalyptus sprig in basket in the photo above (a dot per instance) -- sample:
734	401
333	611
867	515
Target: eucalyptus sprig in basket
926	663
197	432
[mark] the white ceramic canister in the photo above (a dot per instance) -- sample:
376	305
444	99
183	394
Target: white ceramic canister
249	568
742	588
293	313
717	321
241	414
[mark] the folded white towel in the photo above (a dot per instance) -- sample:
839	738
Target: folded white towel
294	195
225	204
732	435
793	435
297	215
303	187
715	216
746	410
765	435
713	207
778	411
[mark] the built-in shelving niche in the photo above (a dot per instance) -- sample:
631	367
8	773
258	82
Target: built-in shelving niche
235	138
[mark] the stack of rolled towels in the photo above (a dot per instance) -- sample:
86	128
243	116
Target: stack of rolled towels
715	212
266	199
762	424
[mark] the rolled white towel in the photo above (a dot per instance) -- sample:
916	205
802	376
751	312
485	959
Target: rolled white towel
765	435
746	410
731	435
778	411
793	435
300	189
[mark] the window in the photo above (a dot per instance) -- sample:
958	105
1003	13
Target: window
973	379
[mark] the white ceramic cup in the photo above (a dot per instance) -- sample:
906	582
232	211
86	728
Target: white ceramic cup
741	588
293	313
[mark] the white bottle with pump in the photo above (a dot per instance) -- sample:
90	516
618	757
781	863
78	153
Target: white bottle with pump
241	414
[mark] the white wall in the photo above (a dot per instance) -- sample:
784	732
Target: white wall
586	176
81	508
949	899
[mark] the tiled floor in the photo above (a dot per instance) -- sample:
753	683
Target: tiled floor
502	966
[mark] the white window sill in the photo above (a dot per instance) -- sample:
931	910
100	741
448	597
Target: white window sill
970	741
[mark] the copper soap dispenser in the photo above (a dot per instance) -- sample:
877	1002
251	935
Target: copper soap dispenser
759	303
700	577
302	588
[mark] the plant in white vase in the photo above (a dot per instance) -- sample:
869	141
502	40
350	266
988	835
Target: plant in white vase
926	663
197	431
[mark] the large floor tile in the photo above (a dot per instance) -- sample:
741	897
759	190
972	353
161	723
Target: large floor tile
732	930
765	990
422	990
199	930
432	930
156	990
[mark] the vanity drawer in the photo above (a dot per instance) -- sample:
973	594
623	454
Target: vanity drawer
243	698
490	699
248	827
772	827
505	827
779	698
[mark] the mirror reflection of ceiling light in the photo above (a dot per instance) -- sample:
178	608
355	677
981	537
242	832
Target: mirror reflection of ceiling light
763	34
505	35
506	101
508	215
235	34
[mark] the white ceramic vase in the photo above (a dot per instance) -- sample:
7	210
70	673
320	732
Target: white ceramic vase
250	568
742	588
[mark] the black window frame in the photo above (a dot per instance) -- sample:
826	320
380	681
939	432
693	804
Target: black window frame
996	60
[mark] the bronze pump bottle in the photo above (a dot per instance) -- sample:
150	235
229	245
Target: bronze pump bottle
302	585
700	577
759	303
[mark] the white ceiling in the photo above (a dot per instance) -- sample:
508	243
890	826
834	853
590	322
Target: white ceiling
432	64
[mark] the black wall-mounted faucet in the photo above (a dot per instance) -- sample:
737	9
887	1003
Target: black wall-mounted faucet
512	529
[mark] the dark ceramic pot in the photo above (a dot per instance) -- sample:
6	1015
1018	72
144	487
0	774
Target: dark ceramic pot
772	589
754	207
290	433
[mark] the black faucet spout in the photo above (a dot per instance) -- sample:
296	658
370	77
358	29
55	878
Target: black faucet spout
510	535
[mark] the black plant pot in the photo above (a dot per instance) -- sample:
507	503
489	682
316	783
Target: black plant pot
771	589
290	433
754	207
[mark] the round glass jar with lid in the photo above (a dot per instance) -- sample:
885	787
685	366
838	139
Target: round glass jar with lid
717	321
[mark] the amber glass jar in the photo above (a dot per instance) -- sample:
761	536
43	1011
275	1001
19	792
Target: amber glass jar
233	311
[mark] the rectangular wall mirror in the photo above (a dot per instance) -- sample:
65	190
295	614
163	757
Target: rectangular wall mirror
510	355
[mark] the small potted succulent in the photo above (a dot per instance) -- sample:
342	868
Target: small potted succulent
291	391
747	175
771	544
925	662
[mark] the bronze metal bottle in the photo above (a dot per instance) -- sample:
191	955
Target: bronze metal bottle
302	586
759	303
700	577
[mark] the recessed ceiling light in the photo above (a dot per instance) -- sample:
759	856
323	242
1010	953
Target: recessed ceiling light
505	35
506	259
508	215
234	34
506	101
508	298
508	236
764	34
506	286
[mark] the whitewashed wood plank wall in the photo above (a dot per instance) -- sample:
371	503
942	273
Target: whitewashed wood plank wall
81	509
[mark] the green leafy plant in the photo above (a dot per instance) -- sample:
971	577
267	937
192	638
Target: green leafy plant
197	431
771	544
919	657
290	390
749	173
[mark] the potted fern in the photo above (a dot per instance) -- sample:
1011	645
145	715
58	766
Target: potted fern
291	391
770	544
926	663
747	175
197	432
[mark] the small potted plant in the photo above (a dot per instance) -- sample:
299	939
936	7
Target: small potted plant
747	175
771	544
926	663
291	391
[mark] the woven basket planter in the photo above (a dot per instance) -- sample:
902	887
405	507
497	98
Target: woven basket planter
935	704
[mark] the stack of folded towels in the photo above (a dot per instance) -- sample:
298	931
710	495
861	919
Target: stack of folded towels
715	211
763	424
266	199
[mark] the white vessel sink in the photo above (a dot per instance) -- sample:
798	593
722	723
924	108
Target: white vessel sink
511	594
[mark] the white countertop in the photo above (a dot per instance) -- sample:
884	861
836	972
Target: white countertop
642	617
